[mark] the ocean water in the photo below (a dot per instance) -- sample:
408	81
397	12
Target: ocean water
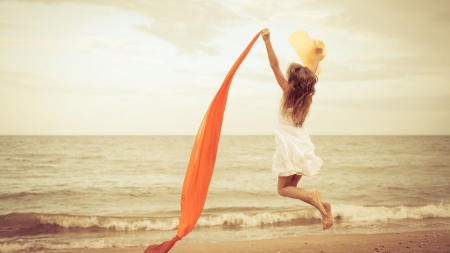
71	192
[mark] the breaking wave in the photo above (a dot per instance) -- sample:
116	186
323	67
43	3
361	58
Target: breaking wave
25	223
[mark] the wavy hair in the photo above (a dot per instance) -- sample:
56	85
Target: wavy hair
297	98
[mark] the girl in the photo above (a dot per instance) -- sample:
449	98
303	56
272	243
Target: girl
294	155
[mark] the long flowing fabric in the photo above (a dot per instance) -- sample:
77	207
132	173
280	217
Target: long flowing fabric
202	160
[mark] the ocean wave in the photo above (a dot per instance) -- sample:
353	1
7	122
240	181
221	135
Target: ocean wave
112	223
33	223
382	213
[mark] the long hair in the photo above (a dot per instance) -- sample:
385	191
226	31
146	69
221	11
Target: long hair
297	98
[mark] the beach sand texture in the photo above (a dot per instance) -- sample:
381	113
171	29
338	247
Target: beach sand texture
423	241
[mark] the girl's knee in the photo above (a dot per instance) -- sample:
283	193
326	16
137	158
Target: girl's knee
281	192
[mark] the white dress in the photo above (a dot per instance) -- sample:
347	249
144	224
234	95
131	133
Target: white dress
294	150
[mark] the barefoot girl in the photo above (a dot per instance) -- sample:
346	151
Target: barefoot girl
294	156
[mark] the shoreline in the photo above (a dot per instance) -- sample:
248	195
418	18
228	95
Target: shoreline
418	241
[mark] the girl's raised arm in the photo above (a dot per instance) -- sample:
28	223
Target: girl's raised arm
273	60
315	64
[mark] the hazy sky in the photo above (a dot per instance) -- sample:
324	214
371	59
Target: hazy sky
152	67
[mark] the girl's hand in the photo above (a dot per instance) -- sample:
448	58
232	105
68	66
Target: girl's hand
319	51
315	64
265	33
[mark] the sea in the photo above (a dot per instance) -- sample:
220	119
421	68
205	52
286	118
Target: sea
94	192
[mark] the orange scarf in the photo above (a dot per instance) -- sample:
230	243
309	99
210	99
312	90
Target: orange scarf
201	164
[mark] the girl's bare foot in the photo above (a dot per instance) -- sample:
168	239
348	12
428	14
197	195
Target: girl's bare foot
327	220
317	203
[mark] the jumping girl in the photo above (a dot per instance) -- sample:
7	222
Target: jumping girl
294	156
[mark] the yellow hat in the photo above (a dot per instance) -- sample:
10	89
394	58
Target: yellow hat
306	48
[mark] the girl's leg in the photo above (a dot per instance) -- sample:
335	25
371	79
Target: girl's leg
295	179
286	189
294	182
327	220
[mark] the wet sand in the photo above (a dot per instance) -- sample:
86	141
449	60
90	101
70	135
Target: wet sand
421	241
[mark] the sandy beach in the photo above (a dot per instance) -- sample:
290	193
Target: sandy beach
421	241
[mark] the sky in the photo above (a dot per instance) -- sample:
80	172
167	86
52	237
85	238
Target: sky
116	67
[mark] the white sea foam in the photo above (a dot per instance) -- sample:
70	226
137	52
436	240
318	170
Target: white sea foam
241	219
256	219
116	223
382	213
